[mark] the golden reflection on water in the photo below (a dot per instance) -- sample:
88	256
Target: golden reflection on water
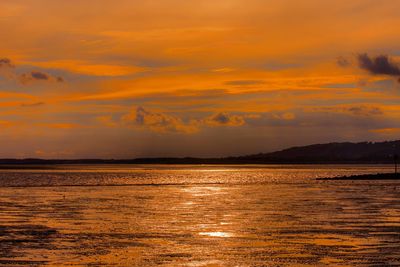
296	223
216	234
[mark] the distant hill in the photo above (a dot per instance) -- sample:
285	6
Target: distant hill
333	152
364	152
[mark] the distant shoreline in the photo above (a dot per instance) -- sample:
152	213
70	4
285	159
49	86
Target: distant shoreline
331	153
378	176
184	161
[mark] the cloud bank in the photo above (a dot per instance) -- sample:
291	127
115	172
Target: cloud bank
164	123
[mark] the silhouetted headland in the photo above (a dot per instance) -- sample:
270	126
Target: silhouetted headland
330	153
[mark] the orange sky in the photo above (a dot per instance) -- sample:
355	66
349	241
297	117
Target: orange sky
127	78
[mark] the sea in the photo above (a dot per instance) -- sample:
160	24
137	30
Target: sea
197	215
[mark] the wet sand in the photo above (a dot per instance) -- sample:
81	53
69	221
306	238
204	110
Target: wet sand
204	216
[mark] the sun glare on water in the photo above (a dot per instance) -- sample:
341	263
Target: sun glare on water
216	234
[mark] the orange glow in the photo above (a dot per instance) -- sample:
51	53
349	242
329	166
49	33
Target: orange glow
265	64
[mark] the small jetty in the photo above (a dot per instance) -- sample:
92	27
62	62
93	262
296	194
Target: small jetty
378	176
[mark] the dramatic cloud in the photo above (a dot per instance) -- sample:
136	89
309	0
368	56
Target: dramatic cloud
159	122
379	65
7	69
224	119
33	76
198	68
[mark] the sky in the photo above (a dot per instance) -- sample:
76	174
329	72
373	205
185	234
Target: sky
207	78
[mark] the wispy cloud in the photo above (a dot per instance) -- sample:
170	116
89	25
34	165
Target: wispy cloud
34	104
244	82
356	110
9	70
386	131
37	76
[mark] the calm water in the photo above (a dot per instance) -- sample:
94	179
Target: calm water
198	216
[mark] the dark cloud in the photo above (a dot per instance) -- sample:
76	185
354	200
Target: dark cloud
33	76
222	118
140	115
7	69
244	82
379	65
5	62
39	75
